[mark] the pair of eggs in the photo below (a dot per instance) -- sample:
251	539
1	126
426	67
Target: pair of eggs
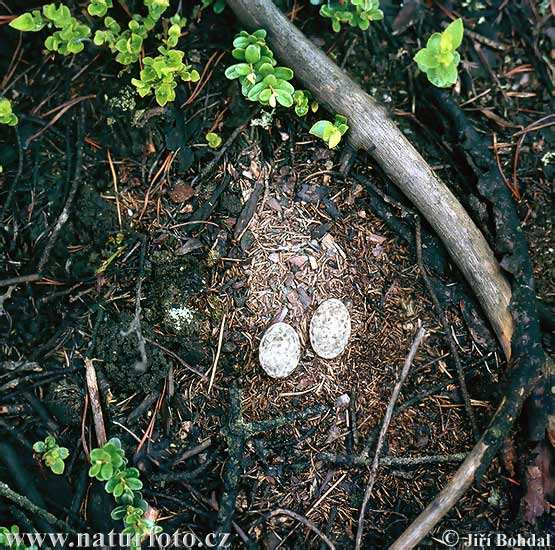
330	329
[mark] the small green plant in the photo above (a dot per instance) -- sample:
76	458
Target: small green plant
70	37
257	73
356	13
109	464
127	44
160	73
52	454
330	132
6	114
214	140
7	536
217	5
107	460
439	59
302	102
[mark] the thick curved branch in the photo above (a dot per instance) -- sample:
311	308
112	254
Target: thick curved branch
374	131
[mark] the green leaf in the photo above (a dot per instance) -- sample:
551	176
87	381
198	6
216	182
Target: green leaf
106	471
135	484
241	42
284	98
260	34
252	54
58	467
283	73
118	490
434	42
319	128
454	32
39	446
334	138
425	59
265	95
255	91
27	22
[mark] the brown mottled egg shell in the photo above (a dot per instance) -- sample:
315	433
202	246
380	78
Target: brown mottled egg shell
330	328
280	350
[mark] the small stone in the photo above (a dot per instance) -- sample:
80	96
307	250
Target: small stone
330	328
280	350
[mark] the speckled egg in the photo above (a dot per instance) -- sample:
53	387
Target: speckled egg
330	328
280	350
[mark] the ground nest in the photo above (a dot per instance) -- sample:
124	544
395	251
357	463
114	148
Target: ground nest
300	255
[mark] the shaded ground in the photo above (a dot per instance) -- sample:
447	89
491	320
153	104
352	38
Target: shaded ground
312	236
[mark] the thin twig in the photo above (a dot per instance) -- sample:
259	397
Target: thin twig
71	196
387	419
135	326
19	280
25	503
306	522
447	330
216	359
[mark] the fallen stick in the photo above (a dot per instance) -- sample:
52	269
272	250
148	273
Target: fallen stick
386	421
96	406
372	129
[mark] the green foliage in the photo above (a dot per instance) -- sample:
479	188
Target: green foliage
6	114
127	44
135	523
214	140
356	13
301	99
439	59
6	535
52	454
99	8
107	460
261	80
70	37
160	73
330	132
109	464
217	5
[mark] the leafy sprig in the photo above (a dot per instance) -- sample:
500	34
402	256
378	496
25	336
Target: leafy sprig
214	140
109	464
52	454
330	132
69	39
439	59
7	116
260	78
356	13
160	73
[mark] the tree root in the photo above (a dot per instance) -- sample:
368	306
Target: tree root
528	355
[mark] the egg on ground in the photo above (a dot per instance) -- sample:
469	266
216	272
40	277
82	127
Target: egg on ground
330	328
280	350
